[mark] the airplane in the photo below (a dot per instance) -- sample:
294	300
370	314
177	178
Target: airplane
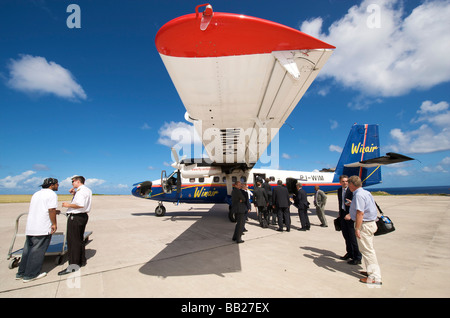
197	181
239	78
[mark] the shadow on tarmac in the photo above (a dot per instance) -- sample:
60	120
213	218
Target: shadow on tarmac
204	248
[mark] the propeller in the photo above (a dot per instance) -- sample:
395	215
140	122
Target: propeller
176	164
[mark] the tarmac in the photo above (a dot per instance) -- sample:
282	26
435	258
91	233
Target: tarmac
188	253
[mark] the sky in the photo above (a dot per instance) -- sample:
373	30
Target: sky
88	94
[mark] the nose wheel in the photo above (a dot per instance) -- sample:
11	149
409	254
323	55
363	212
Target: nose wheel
160	209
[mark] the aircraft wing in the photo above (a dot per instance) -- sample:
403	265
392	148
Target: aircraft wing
239	78
390	158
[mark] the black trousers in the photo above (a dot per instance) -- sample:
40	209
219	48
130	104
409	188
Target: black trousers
351	245
304	219
239	228
76	225
284	216
263	215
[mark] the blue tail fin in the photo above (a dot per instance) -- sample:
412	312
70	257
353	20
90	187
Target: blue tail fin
362	143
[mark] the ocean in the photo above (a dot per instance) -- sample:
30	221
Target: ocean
413	190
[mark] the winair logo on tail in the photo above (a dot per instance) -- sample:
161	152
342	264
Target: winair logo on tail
360	149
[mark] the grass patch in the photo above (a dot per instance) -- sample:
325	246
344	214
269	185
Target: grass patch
26	198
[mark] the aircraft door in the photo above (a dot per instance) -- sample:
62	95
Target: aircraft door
171	183
291	185
259	177
165	183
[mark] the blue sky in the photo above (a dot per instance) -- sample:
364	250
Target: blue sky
97	100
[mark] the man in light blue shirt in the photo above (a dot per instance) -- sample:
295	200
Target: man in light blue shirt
364	212
363	201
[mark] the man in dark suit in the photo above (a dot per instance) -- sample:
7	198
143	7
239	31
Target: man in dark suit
345	196
266	186
281	203
261	200
302	204
239	208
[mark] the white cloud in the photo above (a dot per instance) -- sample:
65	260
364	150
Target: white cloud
334	124
335	148
437	168
429	107
399	172
403	54
12	182
285	156
34	74
33	182
94	182
178	133
28	182
432	136
445	161
436	114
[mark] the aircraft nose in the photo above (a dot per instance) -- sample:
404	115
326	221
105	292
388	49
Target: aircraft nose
143	189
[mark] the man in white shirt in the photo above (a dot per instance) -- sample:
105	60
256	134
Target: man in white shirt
77	213
41	224
363	212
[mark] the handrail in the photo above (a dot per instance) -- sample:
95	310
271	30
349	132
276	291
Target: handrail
197	7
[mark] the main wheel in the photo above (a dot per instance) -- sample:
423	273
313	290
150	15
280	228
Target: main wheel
160	210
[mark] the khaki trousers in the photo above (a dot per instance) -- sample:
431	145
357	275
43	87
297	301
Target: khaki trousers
365	245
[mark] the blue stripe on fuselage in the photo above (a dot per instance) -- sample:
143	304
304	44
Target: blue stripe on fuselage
213	193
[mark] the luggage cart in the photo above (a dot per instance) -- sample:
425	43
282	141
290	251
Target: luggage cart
57	247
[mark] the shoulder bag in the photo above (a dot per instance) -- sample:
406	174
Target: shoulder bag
384	223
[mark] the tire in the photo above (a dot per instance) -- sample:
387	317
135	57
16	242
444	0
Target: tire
160	210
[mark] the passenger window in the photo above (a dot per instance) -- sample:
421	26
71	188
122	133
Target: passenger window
234	179
216	179
191	180
201	179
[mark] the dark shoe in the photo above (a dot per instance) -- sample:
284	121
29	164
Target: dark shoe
288	230
323	225
240	241
345	257
364	273
354	262
66	271
280	230
303	229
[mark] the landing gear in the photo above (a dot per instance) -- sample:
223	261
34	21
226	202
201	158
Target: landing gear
160	209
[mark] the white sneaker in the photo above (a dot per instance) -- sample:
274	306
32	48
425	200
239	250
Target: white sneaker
41	275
